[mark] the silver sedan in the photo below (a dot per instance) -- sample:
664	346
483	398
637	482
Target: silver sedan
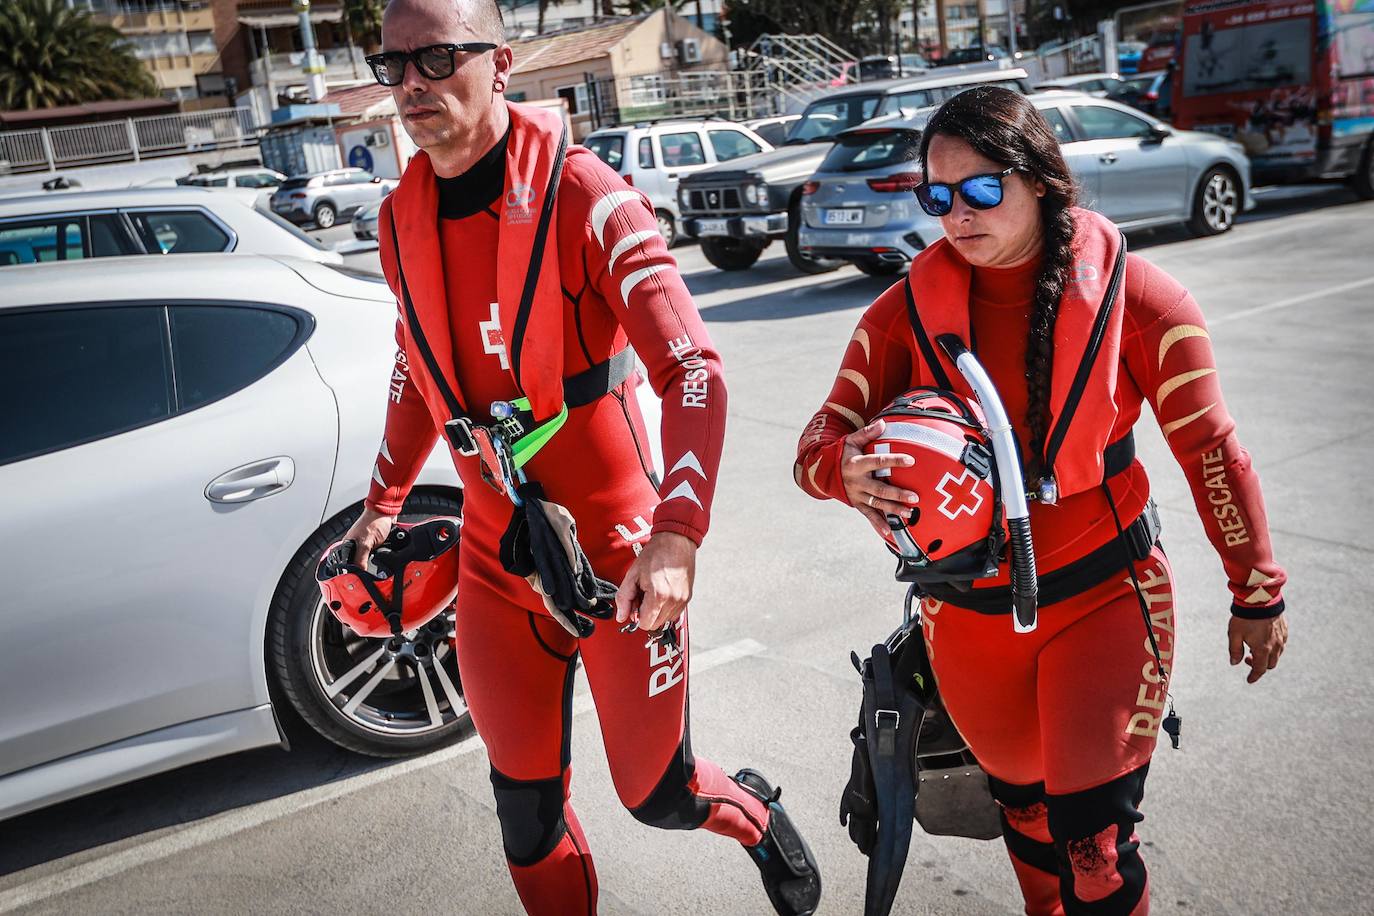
1138	171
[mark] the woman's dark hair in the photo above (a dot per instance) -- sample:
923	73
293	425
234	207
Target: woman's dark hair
1002	125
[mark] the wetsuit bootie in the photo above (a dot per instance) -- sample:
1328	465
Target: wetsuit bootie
789	870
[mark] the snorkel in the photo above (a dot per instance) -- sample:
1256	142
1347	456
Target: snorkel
1010	482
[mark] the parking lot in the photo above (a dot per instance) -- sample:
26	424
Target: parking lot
1263	810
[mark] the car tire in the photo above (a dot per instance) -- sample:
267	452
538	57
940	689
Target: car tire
667	227
1216	203
311	655
876	268
1363	179
731	254
805	263
325	215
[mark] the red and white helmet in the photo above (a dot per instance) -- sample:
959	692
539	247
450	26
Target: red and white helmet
416	578
956	529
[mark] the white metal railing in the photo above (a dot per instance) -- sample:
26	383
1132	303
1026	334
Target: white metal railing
290	64
670	94
130	139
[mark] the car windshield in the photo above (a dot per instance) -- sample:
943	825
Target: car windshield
823	120
609	148
870	149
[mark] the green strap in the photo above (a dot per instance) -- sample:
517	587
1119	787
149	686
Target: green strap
528	445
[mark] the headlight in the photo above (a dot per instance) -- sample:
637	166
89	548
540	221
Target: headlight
763	195
684	197
751	193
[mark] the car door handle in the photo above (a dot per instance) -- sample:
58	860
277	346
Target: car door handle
252	481
1107	158
670	175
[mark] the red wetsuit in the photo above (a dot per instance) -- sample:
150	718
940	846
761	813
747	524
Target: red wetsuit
1065	719
619	283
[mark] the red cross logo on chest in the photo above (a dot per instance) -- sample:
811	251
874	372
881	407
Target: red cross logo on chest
493	341
960	493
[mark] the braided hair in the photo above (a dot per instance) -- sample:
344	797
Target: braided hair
1002	125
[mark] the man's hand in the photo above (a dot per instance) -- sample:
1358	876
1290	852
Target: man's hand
659	581
1264	638
875	499
368	532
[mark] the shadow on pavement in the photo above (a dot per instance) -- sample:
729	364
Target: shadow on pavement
1270	203
178	797
848	291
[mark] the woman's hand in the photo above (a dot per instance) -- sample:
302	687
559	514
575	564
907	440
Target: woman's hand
875	499
1264	638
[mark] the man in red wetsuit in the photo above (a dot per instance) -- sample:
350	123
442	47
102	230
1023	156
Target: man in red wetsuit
513	279
1064	719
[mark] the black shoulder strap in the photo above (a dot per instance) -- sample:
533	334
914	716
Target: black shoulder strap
417	332
923	339
541	236
1085	365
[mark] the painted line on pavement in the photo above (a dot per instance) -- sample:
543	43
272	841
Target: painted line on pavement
256	815
1286	303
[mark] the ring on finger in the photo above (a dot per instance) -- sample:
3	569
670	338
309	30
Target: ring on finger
870	500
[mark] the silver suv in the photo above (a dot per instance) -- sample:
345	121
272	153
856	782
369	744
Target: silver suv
653	157
326	197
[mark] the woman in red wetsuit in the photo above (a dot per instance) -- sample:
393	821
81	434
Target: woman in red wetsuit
1064	719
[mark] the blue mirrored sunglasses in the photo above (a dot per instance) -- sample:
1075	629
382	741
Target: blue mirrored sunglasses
981	192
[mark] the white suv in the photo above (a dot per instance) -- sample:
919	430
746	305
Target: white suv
652	157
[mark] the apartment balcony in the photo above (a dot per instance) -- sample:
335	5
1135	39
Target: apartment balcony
340	64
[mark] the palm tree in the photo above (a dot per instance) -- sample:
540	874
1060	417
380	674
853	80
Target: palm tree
51	54
364	20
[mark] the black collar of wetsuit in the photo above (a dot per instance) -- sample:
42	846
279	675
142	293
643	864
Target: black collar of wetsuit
478	188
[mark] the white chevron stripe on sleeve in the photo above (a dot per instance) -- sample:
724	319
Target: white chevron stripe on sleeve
605	207
386	452
630	282
689	461
628	242
377	476
684	491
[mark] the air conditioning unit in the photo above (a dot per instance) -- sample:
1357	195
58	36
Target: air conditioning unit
377	138
691	51
665	50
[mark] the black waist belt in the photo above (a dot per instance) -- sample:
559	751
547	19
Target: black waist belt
1118	456
586	387
1067	581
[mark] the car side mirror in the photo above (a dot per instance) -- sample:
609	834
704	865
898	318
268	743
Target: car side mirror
1157	133
376	180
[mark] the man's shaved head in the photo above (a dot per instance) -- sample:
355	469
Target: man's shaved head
481	17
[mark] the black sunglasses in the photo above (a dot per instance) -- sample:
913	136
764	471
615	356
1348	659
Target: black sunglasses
433	62
981	192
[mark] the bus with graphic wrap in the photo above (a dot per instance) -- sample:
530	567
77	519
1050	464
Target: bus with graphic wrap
1291	80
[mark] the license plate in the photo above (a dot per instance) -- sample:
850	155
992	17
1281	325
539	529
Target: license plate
848	217
712	227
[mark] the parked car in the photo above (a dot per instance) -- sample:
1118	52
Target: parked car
193	433
1148	92
739	208
324	198
1100	85
859	206
136	221
654	157
365	222
773	129
262	180
976	55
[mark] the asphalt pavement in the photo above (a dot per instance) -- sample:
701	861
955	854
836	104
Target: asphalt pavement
1265	809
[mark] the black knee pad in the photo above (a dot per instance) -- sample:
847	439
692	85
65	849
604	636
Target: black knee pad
671	805
1018	805
1078	822
531	816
